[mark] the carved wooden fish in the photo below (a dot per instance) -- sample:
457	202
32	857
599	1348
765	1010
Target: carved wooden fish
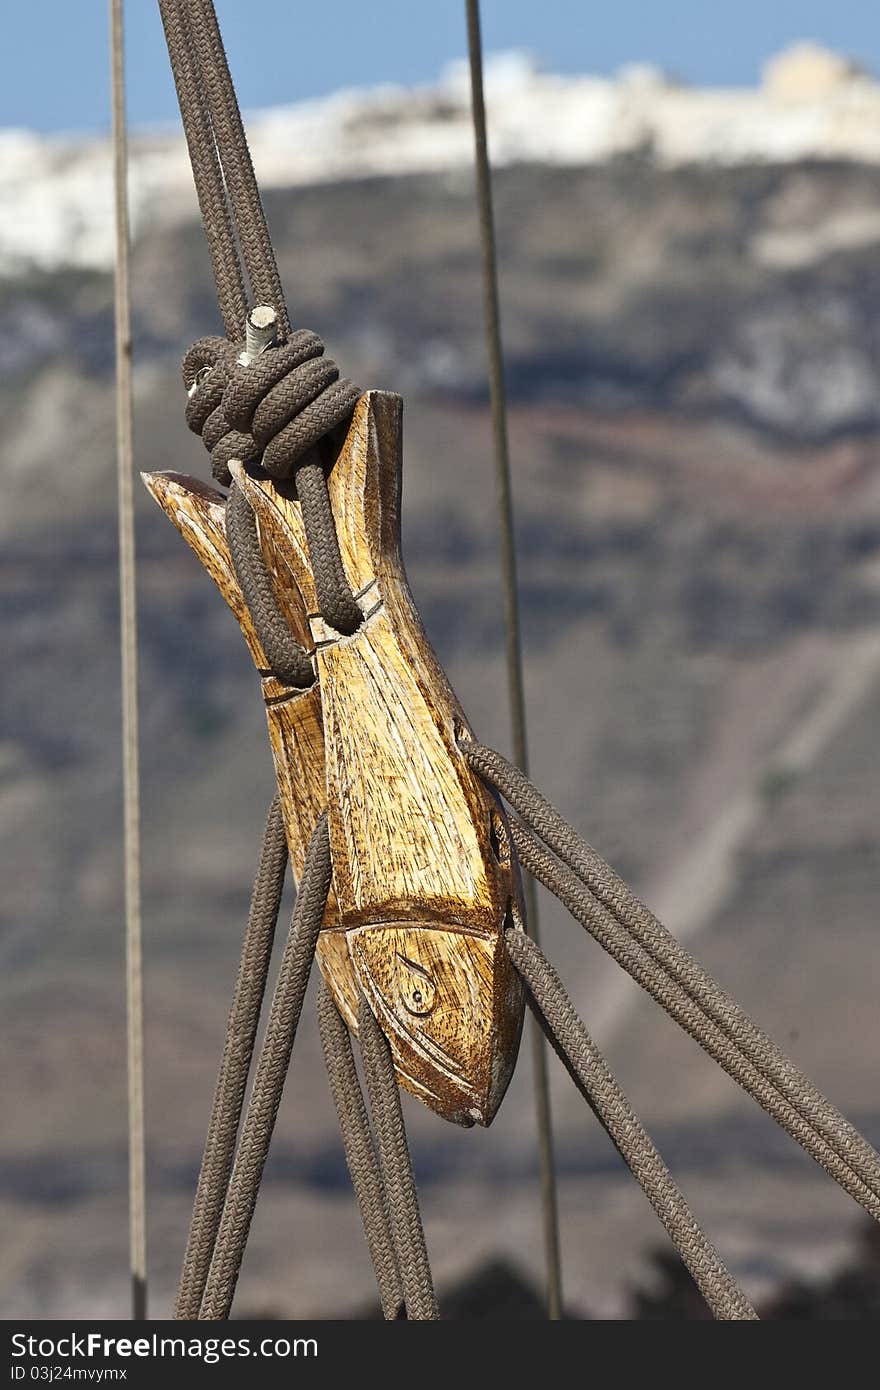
424	877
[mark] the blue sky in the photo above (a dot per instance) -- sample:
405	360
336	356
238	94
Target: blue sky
281	50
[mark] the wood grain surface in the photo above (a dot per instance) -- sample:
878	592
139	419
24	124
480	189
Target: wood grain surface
424	877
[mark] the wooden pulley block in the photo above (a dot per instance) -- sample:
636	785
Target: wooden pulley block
424	877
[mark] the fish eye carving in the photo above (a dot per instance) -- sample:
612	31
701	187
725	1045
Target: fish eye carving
416	990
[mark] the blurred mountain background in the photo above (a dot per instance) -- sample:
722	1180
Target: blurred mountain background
691	304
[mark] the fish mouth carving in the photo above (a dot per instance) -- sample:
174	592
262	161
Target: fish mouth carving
450	1005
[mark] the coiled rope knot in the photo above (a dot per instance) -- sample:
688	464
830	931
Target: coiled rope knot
271	411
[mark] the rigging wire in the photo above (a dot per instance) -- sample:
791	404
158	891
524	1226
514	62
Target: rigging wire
128	648
513	638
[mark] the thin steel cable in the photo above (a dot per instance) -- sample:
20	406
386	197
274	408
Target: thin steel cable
591	1074
238	1049
513	636
396	1168
271	1073
137	1199
360	1151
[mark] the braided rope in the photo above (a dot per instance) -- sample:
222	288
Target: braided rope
271	411
238	170
360	1151
238	1048
269	1078
288	661
611	912
396	1168
690	1017
206	168
590	1072
336	602
274	412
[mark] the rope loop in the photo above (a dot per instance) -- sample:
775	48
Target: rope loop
270	411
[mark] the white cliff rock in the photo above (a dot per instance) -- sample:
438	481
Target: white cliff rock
55	207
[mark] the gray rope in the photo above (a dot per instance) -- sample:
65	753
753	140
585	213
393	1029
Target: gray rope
275	410
681	1007
336	602
238	1048
272	410
205	162
271	1072
590	1071
223	173
597	897
288	661
513	638
360	1152
238	170
221	390
396	1169
134	1008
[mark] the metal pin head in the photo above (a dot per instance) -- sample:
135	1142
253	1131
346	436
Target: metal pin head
260	332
